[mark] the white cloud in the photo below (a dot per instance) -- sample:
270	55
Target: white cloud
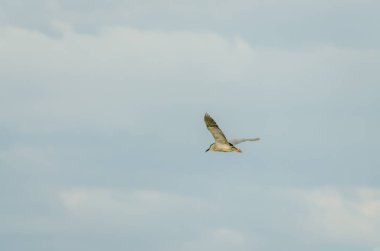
343	215
106	80
286	67
138	208
221	239
229	236
109	80
23	156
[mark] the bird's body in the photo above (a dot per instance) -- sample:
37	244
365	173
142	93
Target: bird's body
223	147
221	143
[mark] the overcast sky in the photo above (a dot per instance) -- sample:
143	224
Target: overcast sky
102	136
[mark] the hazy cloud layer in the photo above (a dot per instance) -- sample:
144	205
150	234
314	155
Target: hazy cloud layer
102	140
289	23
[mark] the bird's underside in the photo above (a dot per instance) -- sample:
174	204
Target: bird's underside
221	143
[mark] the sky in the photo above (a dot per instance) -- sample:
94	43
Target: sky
102	136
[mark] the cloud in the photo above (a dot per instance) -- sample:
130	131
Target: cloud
28	157
290	23
229	236
133	208
106	81
343	215
109	80
221	239
101	108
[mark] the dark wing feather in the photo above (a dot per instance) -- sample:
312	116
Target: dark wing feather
215	130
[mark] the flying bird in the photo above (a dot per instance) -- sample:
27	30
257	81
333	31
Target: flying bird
221	143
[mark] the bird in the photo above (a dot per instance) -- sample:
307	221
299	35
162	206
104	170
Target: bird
221	143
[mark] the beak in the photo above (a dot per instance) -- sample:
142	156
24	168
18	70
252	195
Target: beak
238	150
207	150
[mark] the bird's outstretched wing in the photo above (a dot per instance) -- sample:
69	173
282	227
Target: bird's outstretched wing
215	130
238	141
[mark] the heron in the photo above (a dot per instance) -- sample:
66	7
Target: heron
221	143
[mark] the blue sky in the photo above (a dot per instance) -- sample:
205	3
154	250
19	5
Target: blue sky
102	137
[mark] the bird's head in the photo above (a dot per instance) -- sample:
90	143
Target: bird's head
210	147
